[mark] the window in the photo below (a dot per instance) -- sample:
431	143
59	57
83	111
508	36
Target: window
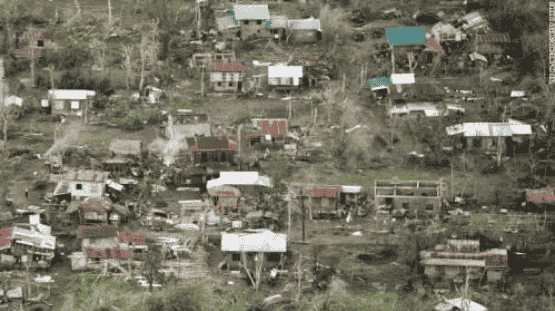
246	22
79	186
259	22
429	207
74	105
406	206
219	83
230	83
236	257
40	43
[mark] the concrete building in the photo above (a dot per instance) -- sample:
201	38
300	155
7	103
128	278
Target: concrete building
413	196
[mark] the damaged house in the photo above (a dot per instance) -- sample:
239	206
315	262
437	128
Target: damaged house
304	31
491	138
82	184
411	196
245	247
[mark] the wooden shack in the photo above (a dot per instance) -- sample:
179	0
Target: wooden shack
69	102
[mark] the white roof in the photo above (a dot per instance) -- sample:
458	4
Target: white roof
311	24
402	78
517	93
240	178
351	189
266	241
285	71
251	11
70	94
13	100
489	129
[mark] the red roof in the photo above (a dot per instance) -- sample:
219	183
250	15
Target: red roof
227	67
212	143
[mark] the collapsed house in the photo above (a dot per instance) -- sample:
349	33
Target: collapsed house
324	200
31	243
448	263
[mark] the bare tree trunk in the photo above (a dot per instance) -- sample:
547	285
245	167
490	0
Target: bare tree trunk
141	83
51	69
343	87
109	14
244	259
78	10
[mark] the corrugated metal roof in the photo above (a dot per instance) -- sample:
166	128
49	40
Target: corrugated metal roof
86	176
70	94
454	262
474	21
277	21
306	24
251	12
489	129
226	22
493	37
